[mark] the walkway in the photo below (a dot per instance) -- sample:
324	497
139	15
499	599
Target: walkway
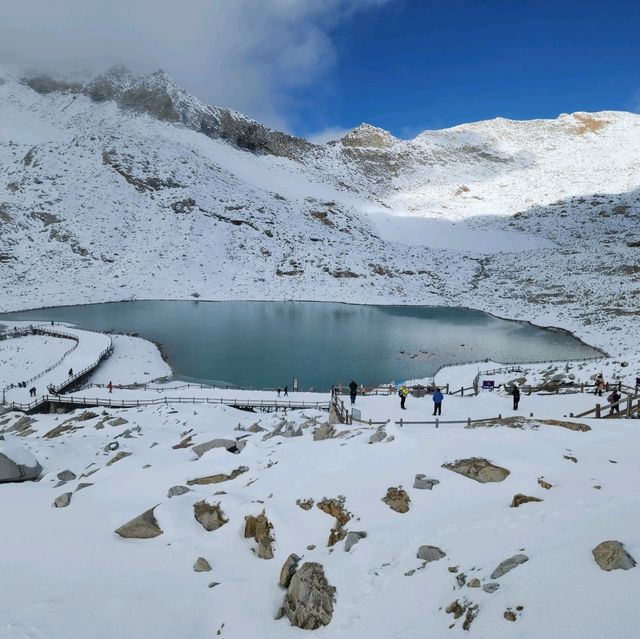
86	351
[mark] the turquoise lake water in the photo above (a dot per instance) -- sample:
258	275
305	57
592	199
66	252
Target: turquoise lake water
267	344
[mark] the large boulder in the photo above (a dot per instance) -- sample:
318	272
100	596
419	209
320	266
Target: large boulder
17	463
611	555
308	603
143	526
477	468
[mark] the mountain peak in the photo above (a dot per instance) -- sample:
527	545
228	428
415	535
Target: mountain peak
367	135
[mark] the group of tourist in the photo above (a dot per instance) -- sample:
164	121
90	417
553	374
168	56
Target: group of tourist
403	393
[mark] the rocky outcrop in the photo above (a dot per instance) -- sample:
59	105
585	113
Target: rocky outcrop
508	564
218	478
611	555
479	469
210	516
526	422
143	526
259	528
17	463
397	499
66	475
308	603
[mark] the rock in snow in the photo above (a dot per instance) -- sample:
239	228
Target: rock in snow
430	553
421	482
397	499
308	603
508	564
478	468
201	565
353	538
288	570
211	517
176	491
143	526
17	463
611	555
63	500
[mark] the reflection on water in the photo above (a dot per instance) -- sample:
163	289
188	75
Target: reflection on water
266	344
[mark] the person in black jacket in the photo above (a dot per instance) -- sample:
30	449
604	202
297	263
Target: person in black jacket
353	391
516	396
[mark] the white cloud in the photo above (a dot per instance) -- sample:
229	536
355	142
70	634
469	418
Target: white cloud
246	54
327	135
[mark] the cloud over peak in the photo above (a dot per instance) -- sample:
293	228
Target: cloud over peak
245	54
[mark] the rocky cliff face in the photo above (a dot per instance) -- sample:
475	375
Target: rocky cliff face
158	96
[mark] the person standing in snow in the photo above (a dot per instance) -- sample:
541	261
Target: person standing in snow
286	391
437	402
353	391
110	386
600	385
613	399
71	372
278	392
404	391
516	396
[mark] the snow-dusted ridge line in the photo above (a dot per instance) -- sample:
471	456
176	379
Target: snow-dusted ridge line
90	182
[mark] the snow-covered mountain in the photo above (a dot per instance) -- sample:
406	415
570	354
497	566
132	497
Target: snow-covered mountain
129	187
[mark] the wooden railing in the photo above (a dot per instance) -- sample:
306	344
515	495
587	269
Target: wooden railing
89	402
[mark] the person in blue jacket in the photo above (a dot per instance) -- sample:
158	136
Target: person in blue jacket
437	402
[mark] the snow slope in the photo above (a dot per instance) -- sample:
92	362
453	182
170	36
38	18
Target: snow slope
130	188
79	578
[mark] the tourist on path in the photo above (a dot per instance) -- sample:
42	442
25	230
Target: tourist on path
516	396
404	391
110	386
279	392
353	391
286	391
437	402
614	400
600	385
71	372
32	391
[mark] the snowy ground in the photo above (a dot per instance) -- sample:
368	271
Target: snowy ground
90	581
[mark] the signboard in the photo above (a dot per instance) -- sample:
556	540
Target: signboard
355	414
488	384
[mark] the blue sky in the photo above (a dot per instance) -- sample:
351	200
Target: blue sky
411	65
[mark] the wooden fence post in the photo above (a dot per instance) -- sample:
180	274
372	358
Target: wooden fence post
462	392
437	423
400	423
597	410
